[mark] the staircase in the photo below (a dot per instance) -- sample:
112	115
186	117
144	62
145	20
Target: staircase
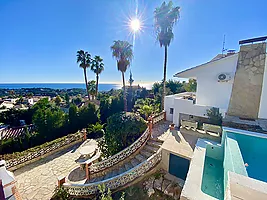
124	167
151	147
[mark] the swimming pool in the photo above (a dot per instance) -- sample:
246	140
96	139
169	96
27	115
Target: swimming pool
242	152
212	180
254	153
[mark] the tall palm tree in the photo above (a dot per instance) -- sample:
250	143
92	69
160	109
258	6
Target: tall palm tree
165	17
84	60
97	67
122	51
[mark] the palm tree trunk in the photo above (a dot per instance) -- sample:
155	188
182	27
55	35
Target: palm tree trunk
96	90
85	79
164	77
124	92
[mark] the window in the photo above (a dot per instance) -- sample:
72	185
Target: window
171	111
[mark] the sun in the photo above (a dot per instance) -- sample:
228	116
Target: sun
135	25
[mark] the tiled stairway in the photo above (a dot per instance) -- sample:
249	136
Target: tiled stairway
146	152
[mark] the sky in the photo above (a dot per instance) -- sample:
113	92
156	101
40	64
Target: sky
39	38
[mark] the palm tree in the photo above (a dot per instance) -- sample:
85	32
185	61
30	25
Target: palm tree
92	88
165	17
97	67
122	51
84	60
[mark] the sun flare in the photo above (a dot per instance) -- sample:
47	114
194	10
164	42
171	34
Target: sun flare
135	25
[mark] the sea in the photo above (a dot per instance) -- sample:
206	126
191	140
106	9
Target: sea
102	86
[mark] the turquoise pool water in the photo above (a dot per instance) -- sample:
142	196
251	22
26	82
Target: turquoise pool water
254	153
212	181
236	150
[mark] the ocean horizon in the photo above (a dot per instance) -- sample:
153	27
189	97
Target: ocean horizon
102	86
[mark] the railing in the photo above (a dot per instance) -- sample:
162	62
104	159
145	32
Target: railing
117	181
159	117
125	153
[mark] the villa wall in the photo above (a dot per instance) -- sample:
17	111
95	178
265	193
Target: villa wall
247	87
210	92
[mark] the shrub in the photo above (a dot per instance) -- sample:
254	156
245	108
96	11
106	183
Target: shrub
215	117
95	131
121	131
60	193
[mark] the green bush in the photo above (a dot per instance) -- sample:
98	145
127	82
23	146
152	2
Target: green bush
95	131
121	131
11	145
214	115
60	193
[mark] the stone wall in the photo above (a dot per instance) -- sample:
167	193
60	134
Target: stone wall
247	87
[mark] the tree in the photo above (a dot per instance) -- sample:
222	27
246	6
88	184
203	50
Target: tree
109	106
67	99
165	17
214	115
73	117
87	115
121	131
146	110
58	100
146	106
191	86
92	88
97	67
30	95
122	51
84	60
144	93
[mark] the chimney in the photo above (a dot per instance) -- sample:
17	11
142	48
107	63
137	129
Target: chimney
248	81
230	52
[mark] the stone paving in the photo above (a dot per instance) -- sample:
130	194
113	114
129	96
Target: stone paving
38	180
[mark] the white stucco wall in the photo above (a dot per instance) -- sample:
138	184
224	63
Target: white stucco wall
187	107
263	102
169	103
210	92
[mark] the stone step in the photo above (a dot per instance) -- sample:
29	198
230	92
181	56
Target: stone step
107	176
135	162
156	140
100	178
121	169
140	157
154	143
128	166
145	153
151	149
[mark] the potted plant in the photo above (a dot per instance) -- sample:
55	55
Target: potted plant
172	126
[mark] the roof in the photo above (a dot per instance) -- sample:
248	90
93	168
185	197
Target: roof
215	59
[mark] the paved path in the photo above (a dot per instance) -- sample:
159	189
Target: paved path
38	180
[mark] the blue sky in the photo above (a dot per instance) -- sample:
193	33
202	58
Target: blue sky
39	39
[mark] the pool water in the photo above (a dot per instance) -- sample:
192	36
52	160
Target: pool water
212	181
254	153
236	150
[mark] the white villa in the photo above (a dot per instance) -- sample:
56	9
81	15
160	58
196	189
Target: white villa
235	83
